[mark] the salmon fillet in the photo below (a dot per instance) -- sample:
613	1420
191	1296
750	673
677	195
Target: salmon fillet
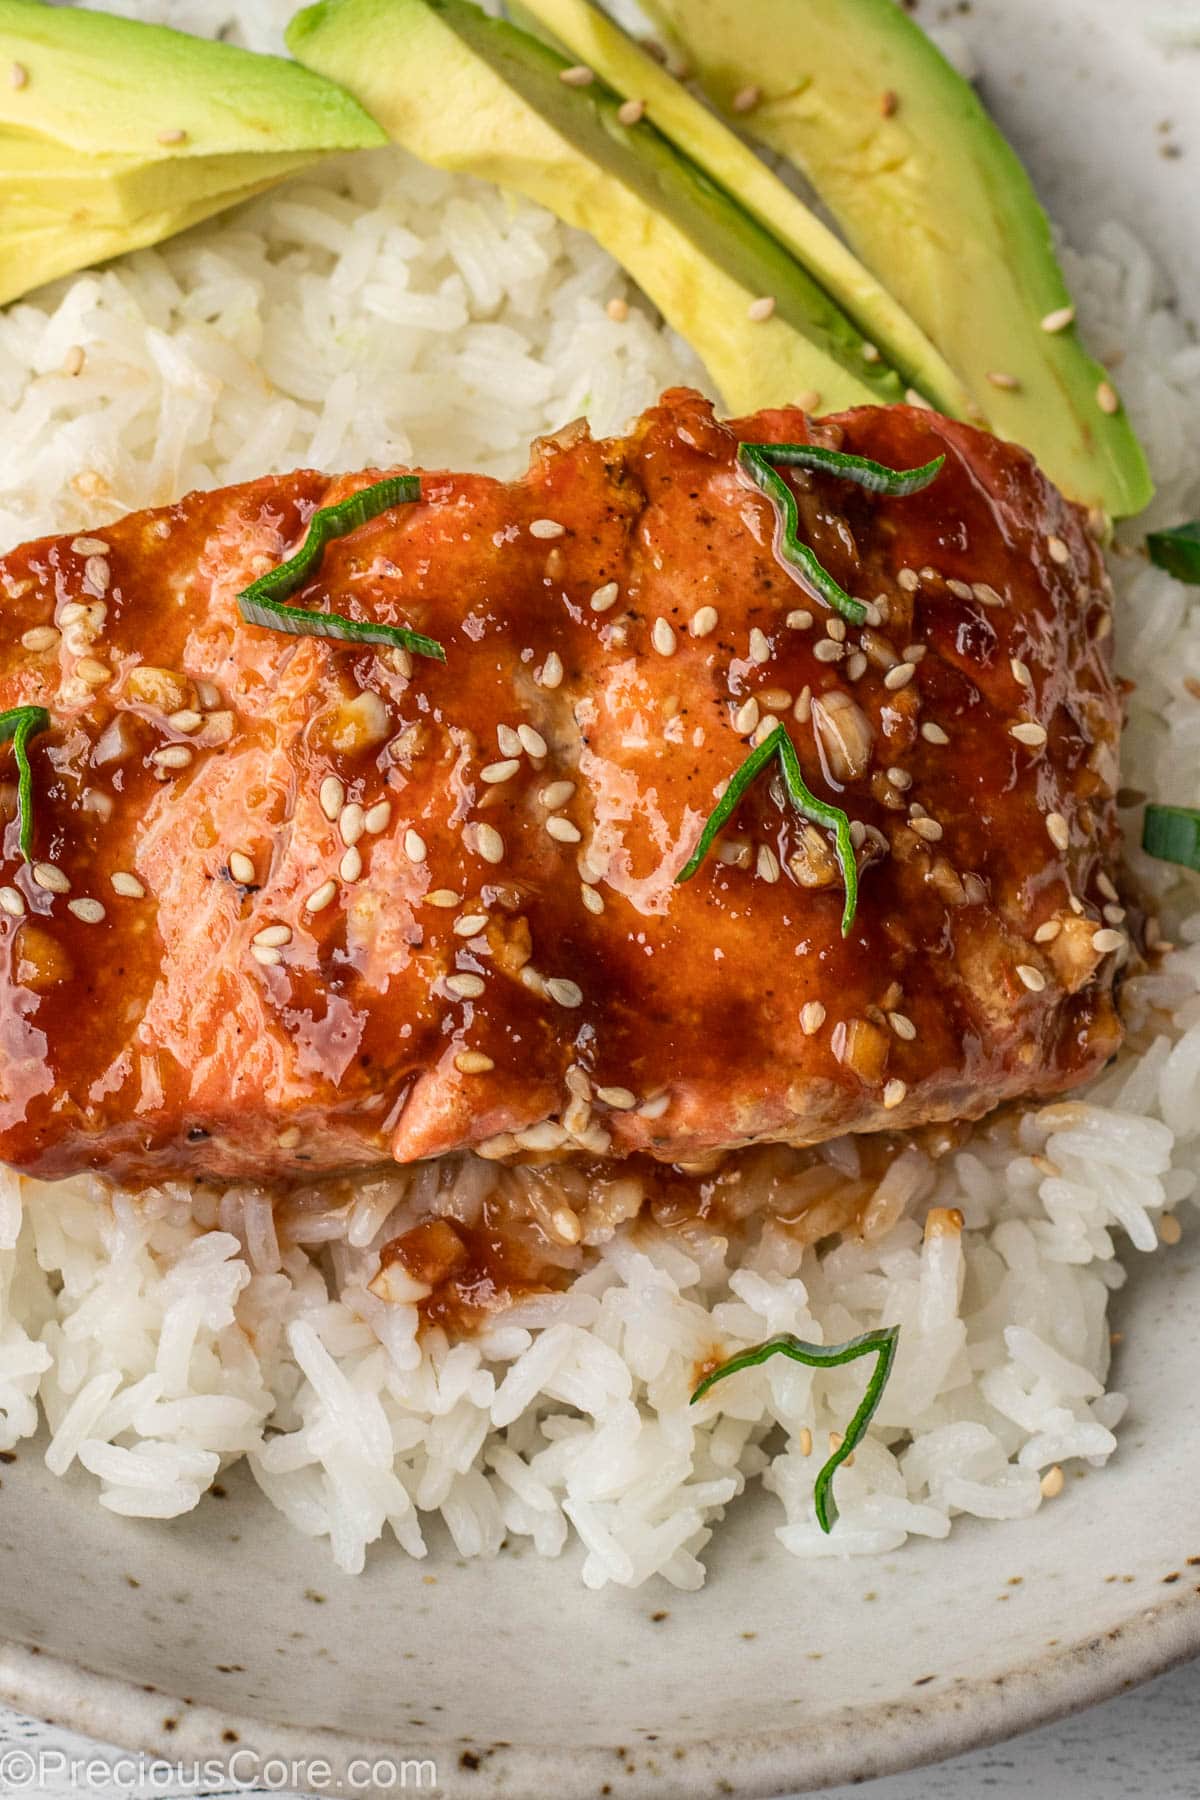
299	905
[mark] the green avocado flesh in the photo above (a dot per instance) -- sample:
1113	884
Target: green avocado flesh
933	199
599	44
471	93
114	135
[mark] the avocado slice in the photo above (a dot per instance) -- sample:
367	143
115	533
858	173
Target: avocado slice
599	44
468	92
114	135
933	198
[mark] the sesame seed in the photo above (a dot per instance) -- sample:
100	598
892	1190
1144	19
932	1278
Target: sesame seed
509	742
760	648
908	580
1106	941
812	1017
593	901
747	98
900	778
444	897
933	734
241	867
470	924
1046	934
467	987
894	1094
999	379
836	629
767	864
266	955
914	653
489	844
273	936
1021	674
1114	914
186	719
1052	1483
547	528
1033	978
552	670
1029	732
617	309
802	710
40	637
414	846
1107	398
1059	552
704	621
352	822
856	666
533	741
89	546
97	574
631	112
556	794
764	728
18	75
127	884
903	1026
332	797
761	309
828	651
1059	319
1058	830
799	620
655	1107
500	771
288	1138
473	1062
175	134
618	1097
562	829
1105	883
746	717
960	589
320	897
350	867
899	677
566	993
929	829
95	674
375	819
12	901
578	75
662	637
51	877
605	596
1169	1229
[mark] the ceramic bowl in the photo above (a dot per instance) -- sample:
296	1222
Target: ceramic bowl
226	1630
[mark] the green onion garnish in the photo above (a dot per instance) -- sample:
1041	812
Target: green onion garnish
262	602
881	1343
1172	833
760	462
1177	551
19	724
778	743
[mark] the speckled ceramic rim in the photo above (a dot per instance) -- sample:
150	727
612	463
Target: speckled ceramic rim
962	1713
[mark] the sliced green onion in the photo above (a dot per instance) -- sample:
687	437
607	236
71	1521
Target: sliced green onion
759	462
1172	833
881	1343
1177	551
876	478
778	743
262	602
19	724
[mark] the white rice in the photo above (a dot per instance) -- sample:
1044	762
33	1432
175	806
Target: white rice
374	312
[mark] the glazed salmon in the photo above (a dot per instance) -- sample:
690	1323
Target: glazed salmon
298	905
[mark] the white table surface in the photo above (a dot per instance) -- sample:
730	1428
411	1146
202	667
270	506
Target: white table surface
1143	1746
